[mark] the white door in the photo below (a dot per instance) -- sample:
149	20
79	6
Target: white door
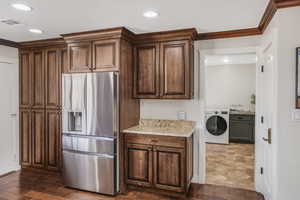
265	102
8	116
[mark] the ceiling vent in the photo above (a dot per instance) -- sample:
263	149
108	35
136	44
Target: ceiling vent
10	22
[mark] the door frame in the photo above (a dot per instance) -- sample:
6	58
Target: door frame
14	113
269	40
203	82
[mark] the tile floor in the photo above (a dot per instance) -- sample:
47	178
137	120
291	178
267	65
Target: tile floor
230	165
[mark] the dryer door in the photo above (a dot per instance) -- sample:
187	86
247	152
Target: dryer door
216	125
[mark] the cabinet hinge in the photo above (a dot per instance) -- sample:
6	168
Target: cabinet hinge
262	119
262	68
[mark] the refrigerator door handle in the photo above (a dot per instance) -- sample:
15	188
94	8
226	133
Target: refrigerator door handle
91	154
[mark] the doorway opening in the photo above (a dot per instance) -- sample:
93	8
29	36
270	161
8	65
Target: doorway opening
230	99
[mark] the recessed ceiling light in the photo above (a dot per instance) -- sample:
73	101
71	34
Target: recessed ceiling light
20	6
37	31
150	14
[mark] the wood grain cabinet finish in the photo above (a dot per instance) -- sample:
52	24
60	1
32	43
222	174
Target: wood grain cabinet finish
40	104
25	79
175	70
164	70
106	55
53	78
139	165
38	138
80	57
25	137
169	169
158	162
38	79
53	140
146	71
64	61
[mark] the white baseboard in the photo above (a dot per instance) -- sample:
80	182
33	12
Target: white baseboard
196	179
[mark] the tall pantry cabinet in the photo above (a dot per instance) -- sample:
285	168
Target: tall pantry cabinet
41	65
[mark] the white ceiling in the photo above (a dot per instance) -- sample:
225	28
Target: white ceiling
57	17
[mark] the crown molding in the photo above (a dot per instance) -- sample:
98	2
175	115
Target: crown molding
117	32
229	34
181	34
287	3
9	43
42	43
268	15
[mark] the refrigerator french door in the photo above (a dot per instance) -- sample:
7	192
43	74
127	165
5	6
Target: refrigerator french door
90	127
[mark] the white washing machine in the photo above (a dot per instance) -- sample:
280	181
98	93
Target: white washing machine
217	126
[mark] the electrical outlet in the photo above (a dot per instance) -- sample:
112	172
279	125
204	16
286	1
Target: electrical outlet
296	115
181	115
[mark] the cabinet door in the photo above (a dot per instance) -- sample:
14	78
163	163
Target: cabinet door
146	71
175	70
79	57
64	61
106	55
53	76
139	165
53	140
241	131
169	168
38	79
25	79
38	138
25	137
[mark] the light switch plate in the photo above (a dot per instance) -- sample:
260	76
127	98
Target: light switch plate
181	115
296	115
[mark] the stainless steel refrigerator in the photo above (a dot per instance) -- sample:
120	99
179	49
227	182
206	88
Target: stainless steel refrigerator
90	128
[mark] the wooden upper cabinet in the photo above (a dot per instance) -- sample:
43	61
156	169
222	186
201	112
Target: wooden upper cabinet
25	137
38	79
175	69
53	76
146	71
106	55
64	61
169	168
139	164
164	70
80	57
25	79
53	140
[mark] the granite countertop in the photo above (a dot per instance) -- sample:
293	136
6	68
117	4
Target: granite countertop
163	127
241	112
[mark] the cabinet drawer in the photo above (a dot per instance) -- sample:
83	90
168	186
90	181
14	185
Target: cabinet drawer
241	117
168	141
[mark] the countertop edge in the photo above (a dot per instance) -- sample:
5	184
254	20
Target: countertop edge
161	134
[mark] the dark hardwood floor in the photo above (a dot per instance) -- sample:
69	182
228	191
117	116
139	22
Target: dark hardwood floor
37	185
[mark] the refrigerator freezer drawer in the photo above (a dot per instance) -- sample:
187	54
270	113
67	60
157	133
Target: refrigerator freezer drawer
99	145
95	173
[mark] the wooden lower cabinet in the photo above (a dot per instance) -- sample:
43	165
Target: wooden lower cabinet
157	162
139	164
53	140
40	138
25	137
169	168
